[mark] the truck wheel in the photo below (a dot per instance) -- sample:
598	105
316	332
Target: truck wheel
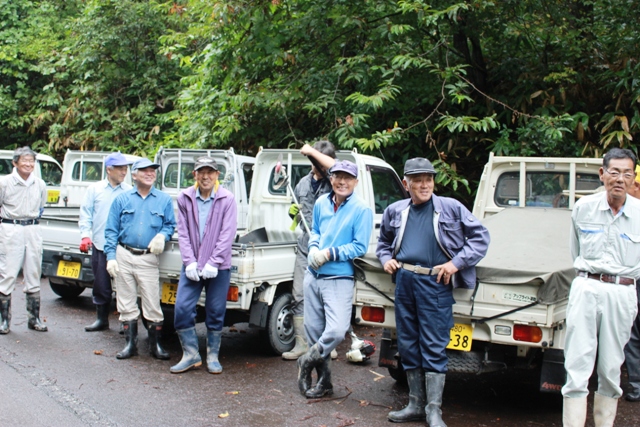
66	291
398	374
279	331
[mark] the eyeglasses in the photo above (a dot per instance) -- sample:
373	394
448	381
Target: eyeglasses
342	177
616	174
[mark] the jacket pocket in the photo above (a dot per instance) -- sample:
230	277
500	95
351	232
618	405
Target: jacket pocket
592	237
126	217
452	234
157	220
630	249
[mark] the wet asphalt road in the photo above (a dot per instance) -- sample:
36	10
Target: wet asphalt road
69	377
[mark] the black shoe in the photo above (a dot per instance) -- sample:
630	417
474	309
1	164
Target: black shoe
634	396
102	319
131	335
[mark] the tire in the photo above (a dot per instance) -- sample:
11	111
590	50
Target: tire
279	332
398	374
66	291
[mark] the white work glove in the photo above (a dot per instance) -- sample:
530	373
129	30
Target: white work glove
209	272
112	268
191	271
156	246
317	258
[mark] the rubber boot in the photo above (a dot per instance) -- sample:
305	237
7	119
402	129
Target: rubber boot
574	411
5	313
102	319
415	410
214	339
155	348
306	363
130	329
190	351
434	385
301	341
604	410
323	386
33	313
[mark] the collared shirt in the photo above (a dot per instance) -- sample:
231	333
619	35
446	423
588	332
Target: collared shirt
95	210
602	243
134	220
345	232
22	199
204	206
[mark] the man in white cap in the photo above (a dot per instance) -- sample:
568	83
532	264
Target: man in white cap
93	220
140	221
341	230
22	198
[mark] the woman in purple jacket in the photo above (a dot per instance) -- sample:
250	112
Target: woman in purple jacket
207	222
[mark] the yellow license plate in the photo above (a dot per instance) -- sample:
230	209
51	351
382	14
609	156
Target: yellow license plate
69	269
461	335
169	293
53	196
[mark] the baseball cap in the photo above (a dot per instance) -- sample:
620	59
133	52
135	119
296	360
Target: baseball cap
116	159
144	163
345	166
418	165
205	162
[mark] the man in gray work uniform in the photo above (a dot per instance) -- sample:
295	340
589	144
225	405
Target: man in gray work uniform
22	198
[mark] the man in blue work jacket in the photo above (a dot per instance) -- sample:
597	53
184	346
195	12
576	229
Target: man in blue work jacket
430	244
140	221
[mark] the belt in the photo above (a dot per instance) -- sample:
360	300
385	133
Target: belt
420	270
135	251
608	278
21	221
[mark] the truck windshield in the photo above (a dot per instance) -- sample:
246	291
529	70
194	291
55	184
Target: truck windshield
544	189
387	187
185	176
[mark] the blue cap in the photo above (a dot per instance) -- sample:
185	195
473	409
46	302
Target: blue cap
418	165
345	166
116	159
143	164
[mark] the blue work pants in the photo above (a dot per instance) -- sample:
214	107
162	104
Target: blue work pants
216	290
424	318
102	291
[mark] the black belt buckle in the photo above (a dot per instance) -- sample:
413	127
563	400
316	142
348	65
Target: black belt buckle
20	221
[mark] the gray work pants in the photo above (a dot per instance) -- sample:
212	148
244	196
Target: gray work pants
20	247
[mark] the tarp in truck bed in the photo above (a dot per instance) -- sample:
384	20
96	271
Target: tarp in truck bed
527	245
530	245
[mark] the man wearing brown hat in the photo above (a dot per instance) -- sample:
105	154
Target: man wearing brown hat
341	230
207	222
430	245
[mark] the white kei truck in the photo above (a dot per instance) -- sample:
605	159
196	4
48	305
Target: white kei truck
515	316
46	168
263	255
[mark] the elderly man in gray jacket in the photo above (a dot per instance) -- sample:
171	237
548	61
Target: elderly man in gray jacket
430	245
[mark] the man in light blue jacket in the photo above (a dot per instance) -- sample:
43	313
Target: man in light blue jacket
430	245
342	225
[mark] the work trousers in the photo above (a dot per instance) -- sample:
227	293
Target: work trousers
138	274
298	283
20	247
632	351
424	318
327	311
101	280
215	306
599	319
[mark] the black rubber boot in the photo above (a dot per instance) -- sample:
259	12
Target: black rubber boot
435	387
156	350
131	335
306	363
5	313
414	411
323	386
33	313
102	319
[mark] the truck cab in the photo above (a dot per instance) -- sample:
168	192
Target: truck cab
46	168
